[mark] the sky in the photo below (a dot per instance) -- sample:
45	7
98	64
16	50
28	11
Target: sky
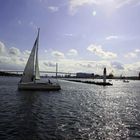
79	35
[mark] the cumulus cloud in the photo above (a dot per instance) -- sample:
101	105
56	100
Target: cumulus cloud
70	65
4	59
132	69
137	51
117	65
7	61
53	8
14	51
133	54
2	48
46	51
87	64
10	58
50	64
58	54
26	53
95	67
72	52
11	63
97	50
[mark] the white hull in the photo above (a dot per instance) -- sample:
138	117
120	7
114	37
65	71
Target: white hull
38	86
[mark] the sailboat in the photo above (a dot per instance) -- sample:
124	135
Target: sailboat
30	79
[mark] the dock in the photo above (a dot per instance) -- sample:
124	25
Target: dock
92	82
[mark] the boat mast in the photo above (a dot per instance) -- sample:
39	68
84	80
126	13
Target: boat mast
37	75
56	69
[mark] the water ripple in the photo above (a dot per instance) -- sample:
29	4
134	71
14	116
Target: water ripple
78	112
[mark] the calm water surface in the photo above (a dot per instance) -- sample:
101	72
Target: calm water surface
78	112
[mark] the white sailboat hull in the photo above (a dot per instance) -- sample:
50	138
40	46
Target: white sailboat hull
39	86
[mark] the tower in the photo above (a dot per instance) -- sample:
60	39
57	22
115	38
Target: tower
104	75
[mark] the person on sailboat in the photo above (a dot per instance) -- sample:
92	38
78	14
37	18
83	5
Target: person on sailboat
49	81
33	78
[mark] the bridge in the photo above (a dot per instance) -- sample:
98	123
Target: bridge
43	72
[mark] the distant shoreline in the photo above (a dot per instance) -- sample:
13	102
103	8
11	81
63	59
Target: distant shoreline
9	74
115	78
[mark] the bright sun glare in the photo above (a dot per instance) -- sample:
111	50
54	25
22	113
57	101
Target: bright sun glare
94	13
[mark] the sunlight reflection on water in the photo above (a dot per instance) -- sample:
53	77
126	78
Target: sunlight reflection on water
78	111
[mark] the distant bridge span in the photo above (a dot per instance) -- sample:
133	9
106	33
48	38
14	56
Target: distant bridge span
21	71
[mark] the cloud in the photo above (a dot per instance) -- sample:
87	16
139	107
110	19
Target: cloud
2	48
125	2
88	66
133	54
68	35
132	69
70	65
97	50
75	4
26	53
72	52
96	67
4	59
117	65
14	51
46	51
53	9
58	54
112	37
50	64
11	63
137	51
8	61
130	55
10	58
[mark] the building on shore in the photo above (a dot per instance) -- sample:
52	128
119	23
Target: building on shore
84	75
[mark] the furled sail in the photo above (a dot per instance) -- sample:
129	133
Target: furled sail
31	71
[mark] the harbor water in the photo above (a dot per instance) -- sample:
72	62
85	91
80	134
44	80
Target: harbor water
77	112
